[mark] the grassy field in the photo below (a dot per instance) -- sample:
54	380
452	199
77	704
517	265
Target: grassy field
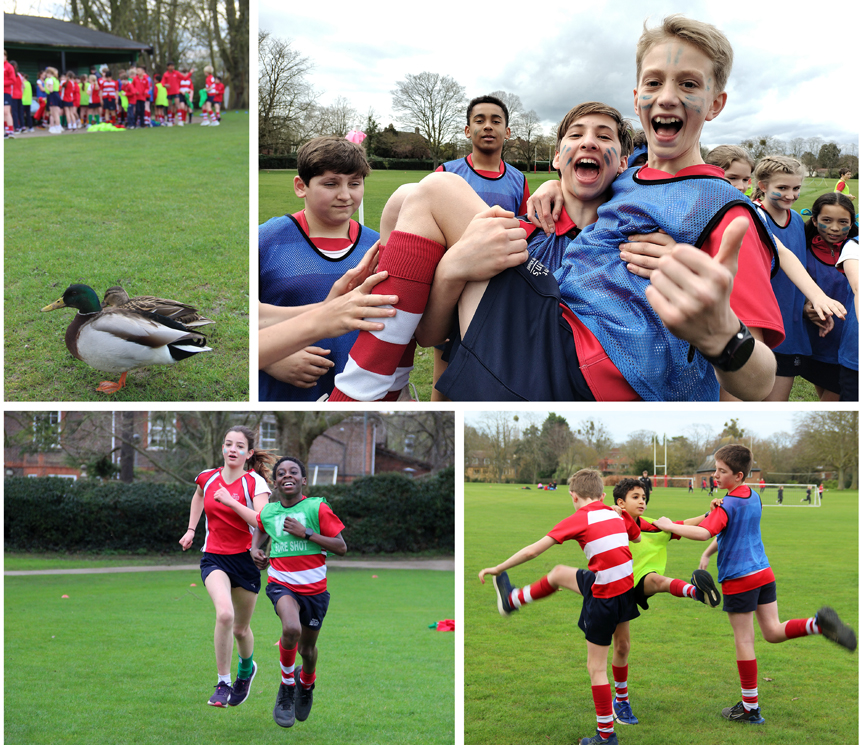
161	212
128	659
525	676
278	198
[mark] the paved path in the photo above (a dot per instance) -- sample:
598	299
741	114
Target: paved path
440	565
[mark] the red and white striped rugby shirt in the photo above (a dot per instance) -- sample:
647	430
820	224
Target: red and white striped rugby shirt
604	537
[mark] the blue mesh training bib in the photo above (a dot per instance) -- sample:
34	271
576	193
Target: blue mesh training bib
610	301
506	191
294	272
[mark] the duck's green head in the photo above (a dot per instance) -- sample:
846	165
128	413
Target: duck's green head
81	297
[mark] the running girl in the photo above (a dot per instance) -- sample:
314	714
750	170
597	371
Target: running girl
229	574
302	529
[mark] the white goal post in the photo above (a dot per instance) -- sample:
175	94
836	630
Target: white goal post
793	495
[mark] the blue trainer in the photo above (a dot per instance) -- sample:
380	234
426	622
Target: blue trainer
503	593
623	712
598	740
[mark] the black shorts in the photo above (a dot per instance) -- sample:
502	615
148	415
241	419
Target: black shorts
639	593
822	374
789	365
600	616
240	568
747	602
172	97
518	346
312	608
847	384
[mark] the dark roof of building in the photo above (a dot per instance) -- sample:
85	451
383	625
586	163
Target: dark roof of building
52	32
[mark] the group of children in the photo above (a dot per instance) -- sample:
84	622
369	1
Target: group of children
709	282
134	99
627	557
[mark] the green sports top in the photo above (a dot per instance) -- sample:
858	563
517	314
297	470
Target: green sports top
651	553
306	511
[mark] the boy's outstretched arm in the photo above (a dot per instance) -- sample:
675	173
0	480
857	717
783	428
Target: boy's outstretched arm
520	557
694	532
690	292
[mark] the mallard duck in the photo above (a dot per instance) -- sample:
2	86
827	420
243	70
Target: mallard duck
187	315
116	340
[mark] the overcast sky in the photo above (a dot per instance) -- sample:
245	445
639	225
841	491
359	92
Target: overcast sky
621	423
793	75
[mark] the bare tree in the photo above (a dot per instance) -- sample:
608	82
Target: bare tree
515	109
433	104
335	120
285	96
529	136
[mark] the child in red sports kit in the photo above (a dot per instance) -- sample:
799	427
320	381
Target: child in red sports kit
608	600
748	583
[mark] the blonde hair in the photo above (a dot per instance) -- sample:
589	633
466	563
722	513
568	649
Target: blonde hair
706	38
723	156
771	165
625	130
586	483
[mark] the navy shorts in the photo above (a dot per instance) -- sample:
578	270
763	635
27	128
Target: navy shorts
210	99
847	384
54	99
312	608
518	346
600	616
240	568
92	105
823	374
789	365
7	99
747	602
109	104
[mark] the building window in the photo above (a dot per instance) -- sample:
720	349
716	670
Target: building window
161	431
46	430
268	435
322	474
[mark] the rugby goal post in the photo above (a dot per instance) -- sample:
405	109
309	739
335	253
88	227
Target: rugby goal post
541	163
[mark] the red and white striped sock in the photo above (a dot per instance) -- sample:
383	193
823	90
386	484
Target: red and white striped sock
602	696
801	627
619	674
288	664
307	681
535	591
372	369
748	670
681	589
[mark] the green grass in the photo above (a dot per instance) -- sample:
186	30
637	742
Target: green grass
128	659
161	212
525	676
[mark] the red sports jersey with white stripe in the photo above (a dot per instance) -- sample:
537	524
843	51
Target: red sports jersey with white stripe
604	537
226	532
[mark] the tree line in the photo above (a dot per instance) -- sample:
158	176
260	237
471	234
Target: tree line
213	32
554	448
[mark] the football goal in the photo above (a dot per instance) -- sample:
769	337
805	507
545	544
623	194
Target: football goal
793	495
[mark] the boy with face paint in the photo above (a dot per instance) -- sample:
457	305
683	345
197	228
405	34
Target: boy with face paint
302	530
621	338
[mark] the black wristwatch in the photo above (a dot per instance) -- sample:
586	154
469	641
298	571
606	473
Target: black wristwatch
308	533
737	351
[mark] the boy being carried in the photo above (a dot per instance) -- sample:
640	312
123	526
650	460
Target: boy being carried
608	602
749	586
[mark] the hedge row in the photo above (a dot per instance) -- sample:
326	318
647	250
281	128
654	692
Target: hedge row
382	514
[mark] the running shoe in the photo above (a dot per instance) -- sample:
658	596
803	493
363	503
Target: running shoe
704	583
598	740
285	706
221	695
304	697
738	713
834	629
623	712
241	688
503	593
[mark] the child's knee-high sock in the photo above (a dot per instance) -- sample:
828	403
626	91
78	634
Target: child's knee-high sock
681	589
288	664
801	627
619	674
748	670
535	591
372	367
602	696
